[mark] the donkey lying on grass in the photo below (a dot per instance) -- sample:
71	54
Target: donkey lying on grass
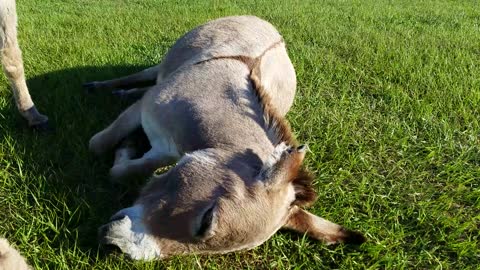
13	65
217	109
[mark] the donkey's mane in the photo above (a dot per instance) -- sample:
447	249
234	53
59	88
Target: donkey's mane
277	128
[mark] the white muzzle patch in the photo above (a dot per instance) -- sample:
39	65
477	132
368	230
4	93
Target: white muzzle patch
127	231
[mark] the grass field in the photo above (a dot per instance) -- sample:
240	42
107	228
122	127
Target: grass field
388	100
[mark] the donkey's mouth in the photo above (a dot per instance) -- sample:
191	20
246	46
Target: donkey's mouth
127	232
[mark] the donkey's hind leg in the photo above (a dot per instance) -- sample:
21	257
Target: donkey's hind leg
142	77
125	124
134	93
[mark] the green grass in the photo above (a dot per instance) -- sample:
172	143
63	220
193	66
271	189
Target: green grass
388	101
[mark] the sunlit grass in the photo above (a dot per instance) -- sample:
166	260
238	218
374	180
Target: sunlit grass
388	102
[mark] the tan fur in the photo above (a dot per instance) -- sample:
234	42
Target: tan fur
218	110
10	259
275	123
13	64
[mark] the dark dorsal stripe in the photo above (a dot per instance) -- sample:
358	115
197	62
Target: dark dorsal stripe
274	122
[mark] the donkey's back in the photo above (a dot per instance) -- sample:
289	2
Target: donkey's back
231	36
245	37
248	38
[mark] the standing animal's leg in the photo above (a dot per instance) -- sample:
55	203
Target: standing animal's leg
126	123
10	258
143	166
13	66
149	74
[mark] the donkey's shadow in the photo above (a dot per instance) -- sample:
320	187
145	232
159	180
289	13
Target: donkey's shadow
58	165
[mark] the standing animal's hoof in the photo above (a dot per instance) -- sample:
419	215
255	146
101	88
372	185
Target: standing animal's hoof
36	120
91	87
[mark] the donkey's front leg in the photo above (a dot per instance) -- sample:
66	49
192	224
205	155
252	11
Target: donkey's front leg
143	166
126	123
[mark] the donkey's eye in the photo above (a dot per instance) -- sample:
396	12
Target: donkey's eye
205	228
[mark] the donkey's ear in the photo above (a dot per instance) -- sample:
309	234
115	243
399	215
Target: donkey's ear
282	164
321	229
268	166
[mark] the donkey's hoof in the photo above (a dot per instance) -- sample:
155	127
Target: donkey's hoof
121	93
118	173
91	87
44	127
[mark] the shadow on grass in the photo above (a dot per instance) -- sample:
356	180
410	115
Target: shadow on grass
72	183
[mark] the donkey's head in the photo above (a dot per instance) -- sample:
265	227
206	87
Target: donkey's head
215	202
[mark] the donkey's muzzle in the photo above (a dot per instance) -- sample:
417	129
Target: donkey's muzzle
127	232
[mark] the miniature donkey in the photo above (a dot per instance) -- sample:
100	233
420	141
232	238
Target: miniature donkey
13	65
217	109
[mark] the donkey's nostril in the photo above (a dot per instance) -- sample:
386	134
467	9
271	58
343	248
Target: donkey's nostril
102	232
111	249
116	217
107	246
